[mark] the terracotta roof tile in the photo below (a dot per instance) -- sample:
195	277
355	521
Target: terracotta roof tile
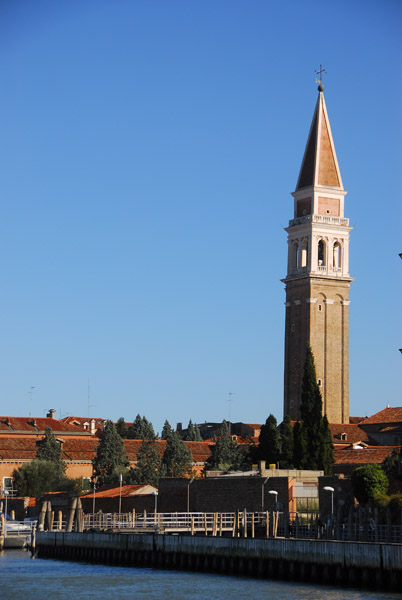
126	491
353	433
387	415
34	425
364	456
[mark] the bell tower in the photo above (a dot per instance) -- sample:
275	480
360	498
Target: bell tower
318	280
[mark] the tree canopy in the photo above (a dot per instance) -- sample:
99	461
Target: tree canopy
141	429
313	447
269	442
227	454
167	430
287	443
41	476
193	433
148	467
110	459
368	481
50	450
177	459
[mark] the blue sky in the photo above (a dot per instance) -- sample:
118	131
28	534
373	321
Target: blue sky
148	152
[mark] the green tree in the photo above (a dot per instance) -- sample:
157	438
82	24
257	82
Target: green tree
41	476
50	450
224	453
391	465
148	467
300	457
268	442
368	481
177	459
193	433
318	438
286	441
141	429
166	431
121	428
327	457
110	459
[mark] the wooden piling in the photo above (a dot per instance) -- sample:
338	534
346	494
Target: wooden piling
42	514
71	514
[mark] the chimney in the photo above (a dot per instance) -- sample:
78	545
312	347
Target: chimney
93	426
51	413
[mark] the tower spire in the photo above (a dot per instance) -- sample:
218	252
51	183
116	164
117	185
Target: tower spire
318	280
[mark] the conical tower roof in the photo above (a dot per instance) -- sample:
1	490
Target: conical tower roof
320	165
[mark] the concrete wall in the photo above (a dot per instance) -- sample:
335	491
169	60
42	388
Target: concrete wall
346	563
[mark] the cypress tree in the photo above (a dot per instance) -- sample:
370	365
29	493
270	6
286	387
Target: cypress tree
177	460
147	469
317	433
193	433
286	435
224	454
166	431
268	442
141	429
300	452
121	428
110	459
50	450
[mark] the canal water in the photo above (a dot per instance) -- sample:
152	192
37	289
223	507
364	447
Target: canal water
22	577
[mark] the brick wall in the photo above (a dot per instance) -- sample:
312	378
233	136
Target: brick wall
221	494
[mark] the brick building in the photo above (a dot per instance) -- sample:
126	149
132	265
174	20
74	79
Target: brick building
318	280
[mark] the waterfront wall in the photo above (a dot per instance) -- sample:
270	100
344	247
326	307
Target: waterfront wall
332	562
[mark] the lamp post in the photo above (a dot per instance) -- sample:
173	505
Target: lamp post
328	488
274	493
6	492
120	481
155	494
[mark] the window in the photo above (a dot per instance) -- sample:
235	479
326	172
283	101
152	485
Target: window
319	382
7	483
321	253
319	307
292	327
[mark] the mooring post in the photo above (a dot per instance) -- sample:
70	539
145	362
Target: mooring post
267	524
245	523
71	515
42	514
33	540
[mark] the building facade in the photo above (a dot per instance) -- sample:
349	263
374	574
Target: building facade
318	280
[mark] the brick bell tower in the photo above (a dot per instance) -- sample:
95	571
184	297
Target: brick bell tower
318	280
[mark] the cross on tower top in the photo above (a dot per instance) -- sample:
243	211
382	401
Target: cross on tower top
320	73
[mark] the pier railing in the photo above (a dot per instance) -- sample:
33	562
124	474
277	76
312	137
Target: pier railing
246	524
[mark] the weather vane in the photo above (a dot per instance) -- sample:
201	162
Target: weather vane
319	78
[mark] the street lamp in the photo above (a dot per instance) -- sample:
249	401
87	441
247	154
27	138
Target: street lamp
275	493
328	488
6	492
155	494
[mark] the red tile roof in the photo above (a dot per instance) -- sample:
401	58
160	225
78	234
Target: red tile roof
364	456
35	425
387	415
353	433
356	420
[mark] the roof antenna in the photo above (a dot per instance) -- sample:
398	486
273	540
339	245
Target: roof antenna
30	400
320	73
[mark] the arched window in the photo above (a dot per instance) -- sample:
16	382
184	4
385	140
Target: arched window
321	253
295	262
337	255
304	254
